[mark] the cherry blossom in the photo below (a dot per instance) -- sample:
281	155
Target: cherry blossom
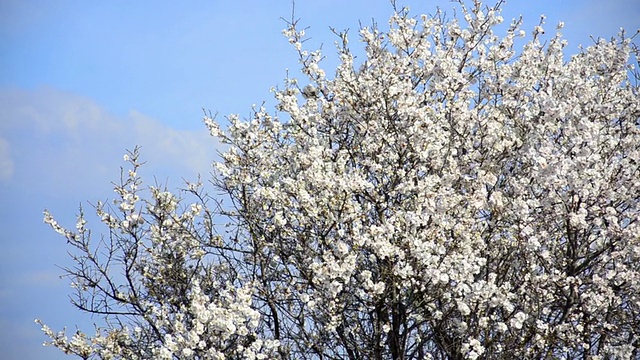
461	192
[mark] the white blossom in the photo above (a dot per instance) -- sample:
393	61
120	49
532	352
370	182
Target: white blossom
452	193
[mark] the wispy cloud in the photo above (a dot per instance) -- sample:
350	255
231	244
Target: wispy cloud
73	142
6	163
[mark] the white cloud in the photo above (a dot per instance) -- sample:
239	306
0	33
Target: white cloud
6	163
68	144
194	151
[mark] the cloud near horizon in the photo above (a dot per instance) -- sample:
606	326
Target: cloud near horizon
6	163
74	144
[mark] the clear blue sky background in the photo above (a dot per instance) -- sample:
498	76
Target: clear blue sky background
80	81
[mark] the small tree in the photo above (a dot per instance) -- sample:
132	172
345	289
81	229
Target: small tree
449	197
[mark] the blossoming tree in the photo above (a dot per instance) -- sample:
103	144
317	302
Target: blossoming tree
449	196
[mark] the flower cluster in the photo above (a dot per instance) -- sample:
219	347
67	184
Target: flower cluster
159	276
452	195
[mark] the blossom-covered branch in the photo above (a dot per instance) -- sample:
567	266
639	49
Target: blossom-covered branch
458	193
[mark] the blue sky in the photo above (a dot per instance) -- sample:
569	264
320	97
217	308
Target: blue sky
82	81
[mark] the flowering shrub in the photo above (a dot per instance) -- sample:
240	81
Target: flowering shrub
449	197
